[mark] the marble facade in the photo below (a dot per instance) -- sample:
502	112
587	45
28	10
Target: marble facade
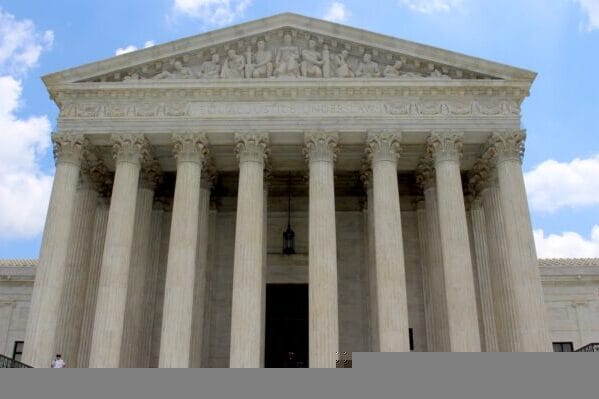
168	203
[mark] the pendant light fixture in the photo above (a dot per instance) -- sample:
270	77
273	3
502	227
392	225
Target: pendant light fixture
288	235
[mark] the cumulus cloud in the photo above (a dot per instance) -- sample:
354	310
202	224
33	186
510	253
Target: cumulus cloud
553	185
130	48
431	6
212	12
24	186
20	44
337	12
591	8
567	245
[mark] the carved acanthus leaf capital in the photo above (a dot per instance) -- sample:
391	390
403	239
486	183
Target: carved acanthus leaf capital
507	145
445	145
321	146
209	174
425	173
95	174
69	147
134	148
252	147
366	174
482	176
383	146
151	174
190	147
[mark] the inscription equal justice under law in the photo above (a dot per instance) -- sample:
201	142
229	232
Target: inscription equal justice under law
276	108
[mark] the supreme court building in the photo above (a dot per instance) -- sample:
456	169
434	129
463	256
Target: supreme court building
285	185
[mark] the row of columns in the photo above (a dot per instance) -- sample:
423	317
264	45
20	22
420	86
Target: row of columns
505	261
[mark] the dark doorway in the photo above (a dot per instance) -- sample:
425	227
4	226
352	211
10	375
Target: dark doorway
286	325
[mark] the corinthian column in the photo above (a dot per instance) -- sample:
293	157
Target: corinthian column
383	151
78	261
531	331
133	328
247	322
49	279
129	151
446	149
175	341
321	151
433	274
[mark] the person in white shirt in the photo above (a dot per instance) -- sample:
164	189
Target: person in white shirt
58	362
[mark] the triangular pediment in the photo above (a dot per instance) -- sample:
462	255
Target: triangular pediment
289	46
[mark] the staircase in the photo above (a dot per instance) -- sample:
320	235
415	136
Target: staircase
8	363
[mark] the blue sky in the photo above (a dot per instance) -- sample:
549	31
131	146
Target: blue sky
559	39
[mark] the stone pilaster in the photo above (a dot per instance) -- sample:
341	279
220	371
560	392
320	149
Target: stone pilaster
175	341
78	260
383	151
247	324
446	149
482	266
321	150
372	304
91	293
133	328
506	149
199	305
49	281
130	150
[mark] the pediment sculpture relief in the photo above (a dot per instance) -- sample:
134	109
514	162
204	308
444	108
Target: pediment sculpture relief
291	55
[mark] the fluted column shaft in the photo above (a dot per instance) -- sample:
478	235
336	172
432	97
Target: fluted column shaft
445	147
322	259
49	279
392	302
533	332
483	274
373	308
199	304
91	293
247	322
429	318
70	316
114	276
175	340
133	328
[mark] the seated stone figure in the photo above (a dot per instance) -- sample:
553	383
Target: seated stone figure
179	72
312	62
263	67
211	69
368	68
234	66
342	68
287	60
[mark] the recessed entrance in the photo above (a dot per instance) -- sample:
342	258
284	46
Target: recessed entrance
286	326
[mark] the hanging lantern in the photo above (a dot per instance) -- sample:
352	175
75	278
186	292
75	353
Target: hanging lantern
289	235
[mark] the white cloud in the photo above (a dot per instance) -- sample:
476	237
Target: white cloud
24	186
212	12
20	45
553	185
431	6
567	245
130	48
591	8
337	12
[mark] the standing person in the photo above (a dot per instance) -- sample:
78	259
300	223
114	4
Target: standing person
58	362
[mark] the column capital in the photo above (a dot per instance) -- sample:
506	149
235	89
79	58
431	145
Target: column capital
419	203
132	148
69	147
445	145
425	173
366	174
151	174
95	174
507	145
190	147
383	146
482	176
252	147
321	146
209	174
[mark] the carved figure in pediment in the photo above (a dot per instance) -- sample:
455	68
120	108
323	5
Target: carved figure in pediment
211	69
393	71
342	68
179	72
131	76
263	67
436	74
326	62
368	68
287	60
312	62
234	66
